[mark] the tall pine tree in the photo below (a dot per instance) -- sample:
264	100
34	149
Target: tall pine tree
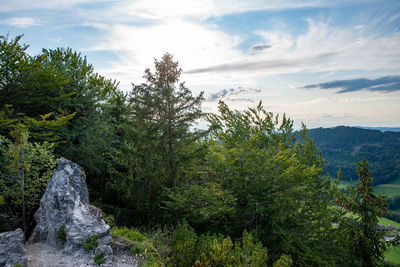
164	111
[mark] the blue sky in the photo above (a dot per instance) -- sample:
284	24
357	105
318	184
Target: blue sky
325	63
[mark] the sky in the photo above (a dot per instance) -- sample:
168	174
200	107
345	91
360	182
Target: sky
322	62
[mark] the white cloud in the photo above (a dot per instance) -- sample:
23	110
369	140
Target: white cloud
322	48
12	5
156	9
22	22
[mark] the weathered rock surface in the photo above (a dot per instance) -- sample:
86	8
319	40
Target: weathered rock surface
44	255
12	249
66	203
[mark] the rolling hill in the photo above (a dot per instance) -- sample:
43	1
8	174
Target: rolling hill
342	147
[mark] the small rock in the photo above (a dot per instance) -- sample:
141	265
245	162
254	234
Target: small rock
12	249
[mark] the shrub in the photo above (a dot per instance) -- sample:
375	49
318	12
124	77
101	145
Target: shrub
91	242
183	245
99	258
284	261
61	235
215	250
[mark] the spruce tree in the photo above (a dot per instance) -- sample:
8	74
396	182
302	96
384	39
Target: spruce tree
164	111
360	235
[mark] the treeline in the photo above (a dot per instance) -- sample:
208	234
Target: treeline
146	164
342	147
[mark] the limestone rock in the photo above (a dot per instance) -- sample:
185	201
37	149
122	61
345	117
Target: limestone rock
66	203
12	249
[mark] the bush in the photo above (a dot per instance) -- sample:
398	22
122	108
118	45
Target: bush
284	261
61	235
91	242
215	250
99	258
183	245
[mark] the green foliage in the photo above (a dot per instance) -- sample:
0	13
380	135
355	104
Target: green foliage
99	258
17	265
214	250
284	261
276	180
359	233
164	150
202	205
138	249
37	161
61	234
128	234
141	245
183	245
91	242
109	219
27	88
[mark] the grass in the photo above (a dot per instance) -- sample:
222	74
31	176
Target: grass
140	245
389	190
393	255
386	221
396	211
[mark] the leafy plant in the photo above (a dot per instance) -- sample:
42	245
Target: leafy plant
61	235
99	258
284	261
17	265
183	245
91	242
215	250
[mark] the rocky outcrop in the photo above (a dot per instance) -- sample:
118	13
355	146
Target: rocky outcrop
65	218
12	249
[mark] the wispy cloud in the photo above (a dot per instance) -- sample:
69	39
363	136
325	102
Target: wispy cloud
263	65
155	9
383	84
323	47
22	22
12	5
234	94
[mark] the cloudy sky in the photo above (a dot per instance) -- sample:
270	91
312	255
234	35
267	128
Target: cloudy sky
322	62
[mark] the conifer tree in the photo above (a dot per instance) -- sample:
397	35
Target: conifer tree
360	233
164	110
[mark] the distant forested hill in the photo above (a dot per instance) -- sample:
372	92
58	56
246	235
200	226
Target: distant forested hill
343	146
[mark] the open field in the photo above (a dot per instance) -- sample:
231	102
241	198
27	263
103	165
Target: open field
390	190
386	221
393	255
